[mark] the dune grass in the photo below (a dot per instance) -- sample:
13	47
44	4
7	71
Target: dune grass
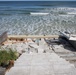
6	55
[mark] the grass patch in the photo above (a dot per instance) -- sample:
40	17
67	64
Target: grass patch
7	55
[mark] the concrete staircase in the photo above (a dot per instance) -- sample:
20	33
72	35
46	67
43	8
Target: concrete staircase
41	64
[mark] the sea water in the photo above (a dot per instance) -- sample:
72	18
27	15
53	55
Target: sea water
37	17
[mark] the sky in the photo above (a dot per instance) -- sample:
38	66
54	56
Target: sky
37	0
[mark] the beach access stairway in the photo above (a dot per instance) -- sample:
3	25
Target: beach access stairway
41	64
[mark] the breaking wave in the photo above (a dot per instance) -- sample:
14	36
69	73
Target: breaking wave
38	13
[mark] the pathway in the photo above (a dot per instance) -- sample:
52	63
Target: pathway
41	64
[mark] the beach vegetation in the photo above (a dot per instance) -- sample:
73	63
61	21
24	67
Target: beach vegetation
7	55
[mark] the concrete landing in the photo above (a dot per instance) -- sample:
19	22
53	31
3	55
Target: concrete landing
41	64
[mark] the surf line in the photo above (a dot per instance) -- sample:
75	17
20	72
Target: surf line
38	13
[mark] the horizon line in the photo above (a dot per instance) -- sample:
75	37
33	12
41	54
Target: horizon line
41	0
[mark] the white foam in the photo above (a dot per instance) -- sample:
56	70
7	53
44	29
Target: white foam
72	13
68	15
38	13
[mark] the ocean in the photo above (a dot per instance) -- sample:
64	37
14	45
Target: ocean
37	17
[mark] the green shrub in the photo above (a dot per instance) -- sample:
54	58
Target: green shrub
6	55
